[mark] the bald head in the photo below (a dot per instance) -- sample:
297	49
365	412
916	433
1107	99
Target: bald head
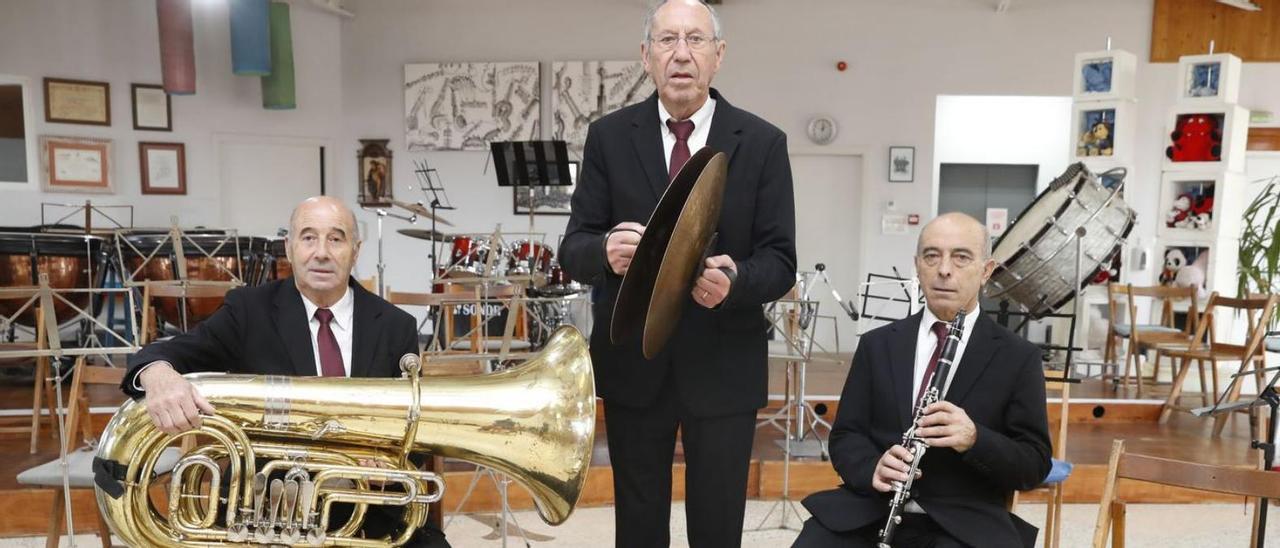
324	204
953	261
959	224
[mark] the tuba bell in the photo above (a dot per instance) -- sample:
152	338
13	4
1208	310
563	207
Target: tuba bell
326	441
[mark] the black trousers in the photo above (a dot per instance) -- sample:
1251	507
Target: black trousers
916	531
717	453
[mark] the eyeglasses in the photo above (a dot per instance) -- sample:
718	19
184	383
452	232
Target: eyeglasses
959	259
668	42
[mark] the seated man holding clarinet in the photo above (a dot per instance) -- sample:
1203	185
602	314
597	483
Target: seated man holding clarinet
949	381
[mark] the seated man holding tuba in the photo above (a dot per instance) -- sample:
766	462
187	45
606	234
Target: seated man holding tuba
987	436
319	322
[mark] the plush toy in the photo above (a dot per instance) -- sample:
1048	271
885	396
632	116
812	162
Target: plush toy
1181	208
1096	141
1202	212
1193	275
1174	260
1196	139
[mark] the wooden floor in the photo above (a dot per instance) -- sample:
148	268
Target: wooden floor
1098	415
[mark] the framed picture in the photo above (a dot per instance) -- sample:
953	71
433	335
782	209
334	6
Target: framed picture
547	200
151	108
72	164
375	173
163	167
902	164
77	102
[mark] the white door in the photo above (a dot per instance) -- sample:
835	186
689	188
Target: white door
263	179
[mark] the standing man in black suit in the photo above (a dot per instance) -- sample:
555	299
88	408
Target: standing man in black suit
711	378
318	322
988	436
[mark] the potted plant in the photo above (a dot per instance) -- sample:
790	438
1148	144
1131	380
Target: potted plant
1259	270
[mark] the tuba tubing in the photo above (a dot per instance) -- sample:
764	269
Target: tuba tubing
534	422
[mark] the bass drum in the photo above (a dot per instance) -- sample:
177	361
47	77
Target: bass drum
70	261
228	255
1036	258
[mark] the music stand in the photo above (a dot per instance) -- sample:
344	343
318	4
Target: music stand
429	182
531	164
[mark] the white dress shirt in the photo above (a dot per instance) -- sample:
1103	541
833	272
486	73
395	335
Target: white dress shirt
341	325
926	342
701	128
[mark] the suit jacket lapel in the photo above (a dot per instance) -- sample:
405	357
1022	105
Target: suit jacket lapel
977	356
291	325
902	360
726	128
365	330
647	139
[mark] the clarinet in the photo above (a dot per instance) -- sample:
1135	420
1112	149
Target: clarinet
913	443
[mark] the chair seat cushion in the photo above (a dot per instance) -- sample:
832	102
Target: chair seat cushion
80	468
1058	472
1123	329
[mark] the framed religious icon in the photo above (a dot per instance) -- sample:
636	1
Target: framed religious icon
72	164
163	167
902	164
77	102
375	173
151	108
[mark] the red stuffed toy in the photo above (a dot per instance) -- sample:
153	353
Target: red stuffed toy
1197	139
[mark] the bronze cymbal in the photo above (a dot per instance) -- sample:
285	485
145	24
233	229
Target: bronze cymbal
421	211
669	256
423	234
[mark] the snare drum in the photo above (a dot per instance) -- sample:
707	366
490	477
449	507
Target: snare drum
239	256
529	257
1036	257
69	261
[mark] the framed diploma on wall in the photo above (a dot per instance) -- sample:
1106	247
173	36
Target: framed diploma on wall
77	102
73	164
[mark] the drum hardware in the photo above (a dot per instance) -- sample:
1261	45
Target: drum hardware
428	235
382	266
679	236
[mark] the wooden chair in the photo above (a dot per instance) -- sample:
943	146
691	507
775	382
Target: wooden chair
1060	471
1160	336
1206	345
80	461
150	327
1190	475
41	390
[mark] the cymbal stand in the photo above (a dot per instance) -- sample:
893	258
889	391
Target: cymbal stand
501	482
382	266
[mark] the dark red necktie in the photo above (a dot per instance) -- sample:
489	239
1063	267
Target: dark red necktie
940	331
330	353
680	153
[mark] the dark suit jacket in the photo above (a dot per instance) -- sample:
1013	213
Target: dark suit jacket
999	384
718	356
263	330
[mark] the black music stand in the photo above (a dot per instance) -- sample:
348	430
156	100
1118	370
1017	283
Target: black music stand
429	181
531	164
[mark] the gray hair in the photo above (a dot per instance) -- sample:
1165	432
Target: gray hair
653	11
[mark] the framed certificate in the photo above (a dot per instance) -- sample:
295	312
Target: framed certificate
151	108
72	164
77	102
163	167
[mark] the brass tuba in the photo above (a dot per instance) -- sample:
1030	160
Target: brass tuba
535	423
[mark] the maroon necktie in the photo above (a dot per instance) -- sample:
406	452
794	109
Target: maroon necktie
940	331
330	354
679	154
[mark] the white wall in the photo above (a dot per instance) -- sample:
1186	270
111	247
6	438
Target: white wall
117	42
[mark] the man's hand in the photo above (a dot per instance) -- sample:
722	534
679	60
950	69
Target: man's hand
173	402
713	285
893	467
945	425
621	246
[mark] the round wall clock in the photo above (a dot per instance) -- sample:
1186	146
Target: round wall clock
822	130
